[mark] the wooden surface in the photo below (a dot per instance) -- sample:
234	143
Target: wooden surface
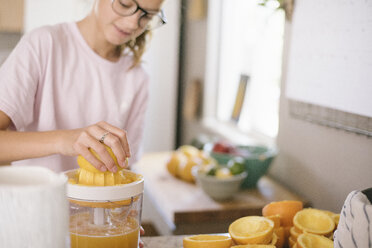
185	203
11	15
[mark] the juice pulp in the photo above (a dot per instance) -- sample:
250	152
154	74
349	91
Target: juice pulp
83	234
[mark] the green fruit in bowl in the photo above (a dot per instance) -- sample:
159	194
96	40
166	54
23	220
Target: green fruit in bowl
212	171
236	165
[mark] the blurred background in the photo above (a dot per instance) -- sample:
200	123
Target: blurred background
219	70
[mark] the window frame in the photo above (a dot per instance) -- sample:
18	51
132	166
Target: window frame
209	118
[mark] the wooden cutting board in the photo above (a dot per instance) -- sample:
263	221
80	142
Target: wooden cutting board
186	203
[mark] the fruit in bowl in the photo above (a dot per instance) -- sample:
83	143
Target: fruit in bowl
219	182
256	159
223	147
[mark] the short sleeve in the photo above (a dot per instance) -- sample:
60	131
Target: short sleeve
19	77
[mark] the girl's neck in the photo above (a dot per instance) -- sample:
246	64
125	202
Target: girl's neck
95	39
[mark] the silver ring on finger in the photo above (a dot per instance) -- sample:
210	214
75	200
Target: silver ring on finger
102	139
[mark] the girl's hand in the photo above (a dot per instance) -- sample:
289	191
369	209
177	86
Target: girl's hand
142	232
95	136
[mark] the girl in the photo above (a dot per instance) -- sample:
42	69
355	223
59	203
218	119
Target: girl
73	86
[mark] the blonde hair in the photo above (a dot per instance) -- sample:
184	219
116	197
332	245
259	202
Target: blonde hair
136	47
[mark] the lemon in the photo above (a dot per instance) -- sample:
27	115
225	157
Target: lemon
252	230
189	151
314	221
223	172
207	241
308	240
205	157
184	170
176	160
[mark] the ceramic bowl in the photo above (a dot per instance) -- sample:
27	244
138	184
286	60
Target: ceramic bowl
220	189
257	160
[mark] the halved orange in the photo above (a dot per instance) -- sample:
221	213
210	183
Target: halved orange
281	238
252	230
308	240
294	232
89	175
286	231
291	241
336	219
276	218
274	239
334	216
84	164
207	241
314	221
286	209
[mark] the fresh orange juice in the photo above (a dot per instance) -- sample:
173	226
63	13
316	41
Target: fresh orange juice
84	234
128	240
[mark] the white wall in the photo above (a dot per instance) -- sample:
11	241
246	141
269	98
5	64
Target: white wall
162	64
320	163
49	12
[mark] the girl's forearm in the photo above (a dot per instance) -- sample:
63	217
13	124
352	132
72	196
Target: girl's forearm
25	145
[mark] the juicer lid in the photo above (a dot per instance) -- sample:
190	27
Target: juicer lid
103	193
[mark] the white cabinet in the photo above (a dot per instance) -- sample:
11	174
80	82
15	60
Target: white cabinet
48	12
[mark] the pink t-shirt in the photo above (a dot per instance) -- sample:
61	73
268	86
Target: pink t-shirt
54	80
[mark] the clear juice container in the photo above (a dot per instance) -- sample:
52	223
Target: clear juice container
105	216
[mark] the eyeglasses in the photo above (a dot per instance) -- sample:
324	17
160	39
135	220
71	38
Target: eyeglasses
148	20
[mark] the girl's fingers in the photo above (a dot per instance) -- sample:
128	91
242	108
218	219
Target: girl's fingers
141	244
83	151
85	141
103	154
120	133
113	141
93	160
111	136
117	140
110	140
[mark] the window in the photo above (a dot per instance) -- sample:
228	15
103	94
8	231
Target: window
250	42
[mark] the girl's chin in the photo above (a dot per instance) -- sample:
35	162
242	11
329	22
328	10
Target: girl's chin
117	41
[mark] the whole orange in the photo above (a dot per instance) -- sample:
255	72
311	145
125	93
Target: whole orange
286	209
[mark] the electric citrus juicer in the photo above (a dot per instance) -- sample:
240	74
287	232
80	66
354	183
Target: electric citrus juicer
105	207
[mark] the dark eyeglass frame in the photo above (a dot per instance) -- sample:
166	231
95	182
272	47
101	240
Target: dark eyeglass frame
160	13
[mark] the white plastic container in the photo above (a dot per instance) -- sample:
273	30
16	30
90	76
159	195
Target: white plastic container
105	216
33	207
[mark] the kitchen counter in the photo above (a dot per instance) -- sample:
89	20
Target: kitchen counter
176	207
163	241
